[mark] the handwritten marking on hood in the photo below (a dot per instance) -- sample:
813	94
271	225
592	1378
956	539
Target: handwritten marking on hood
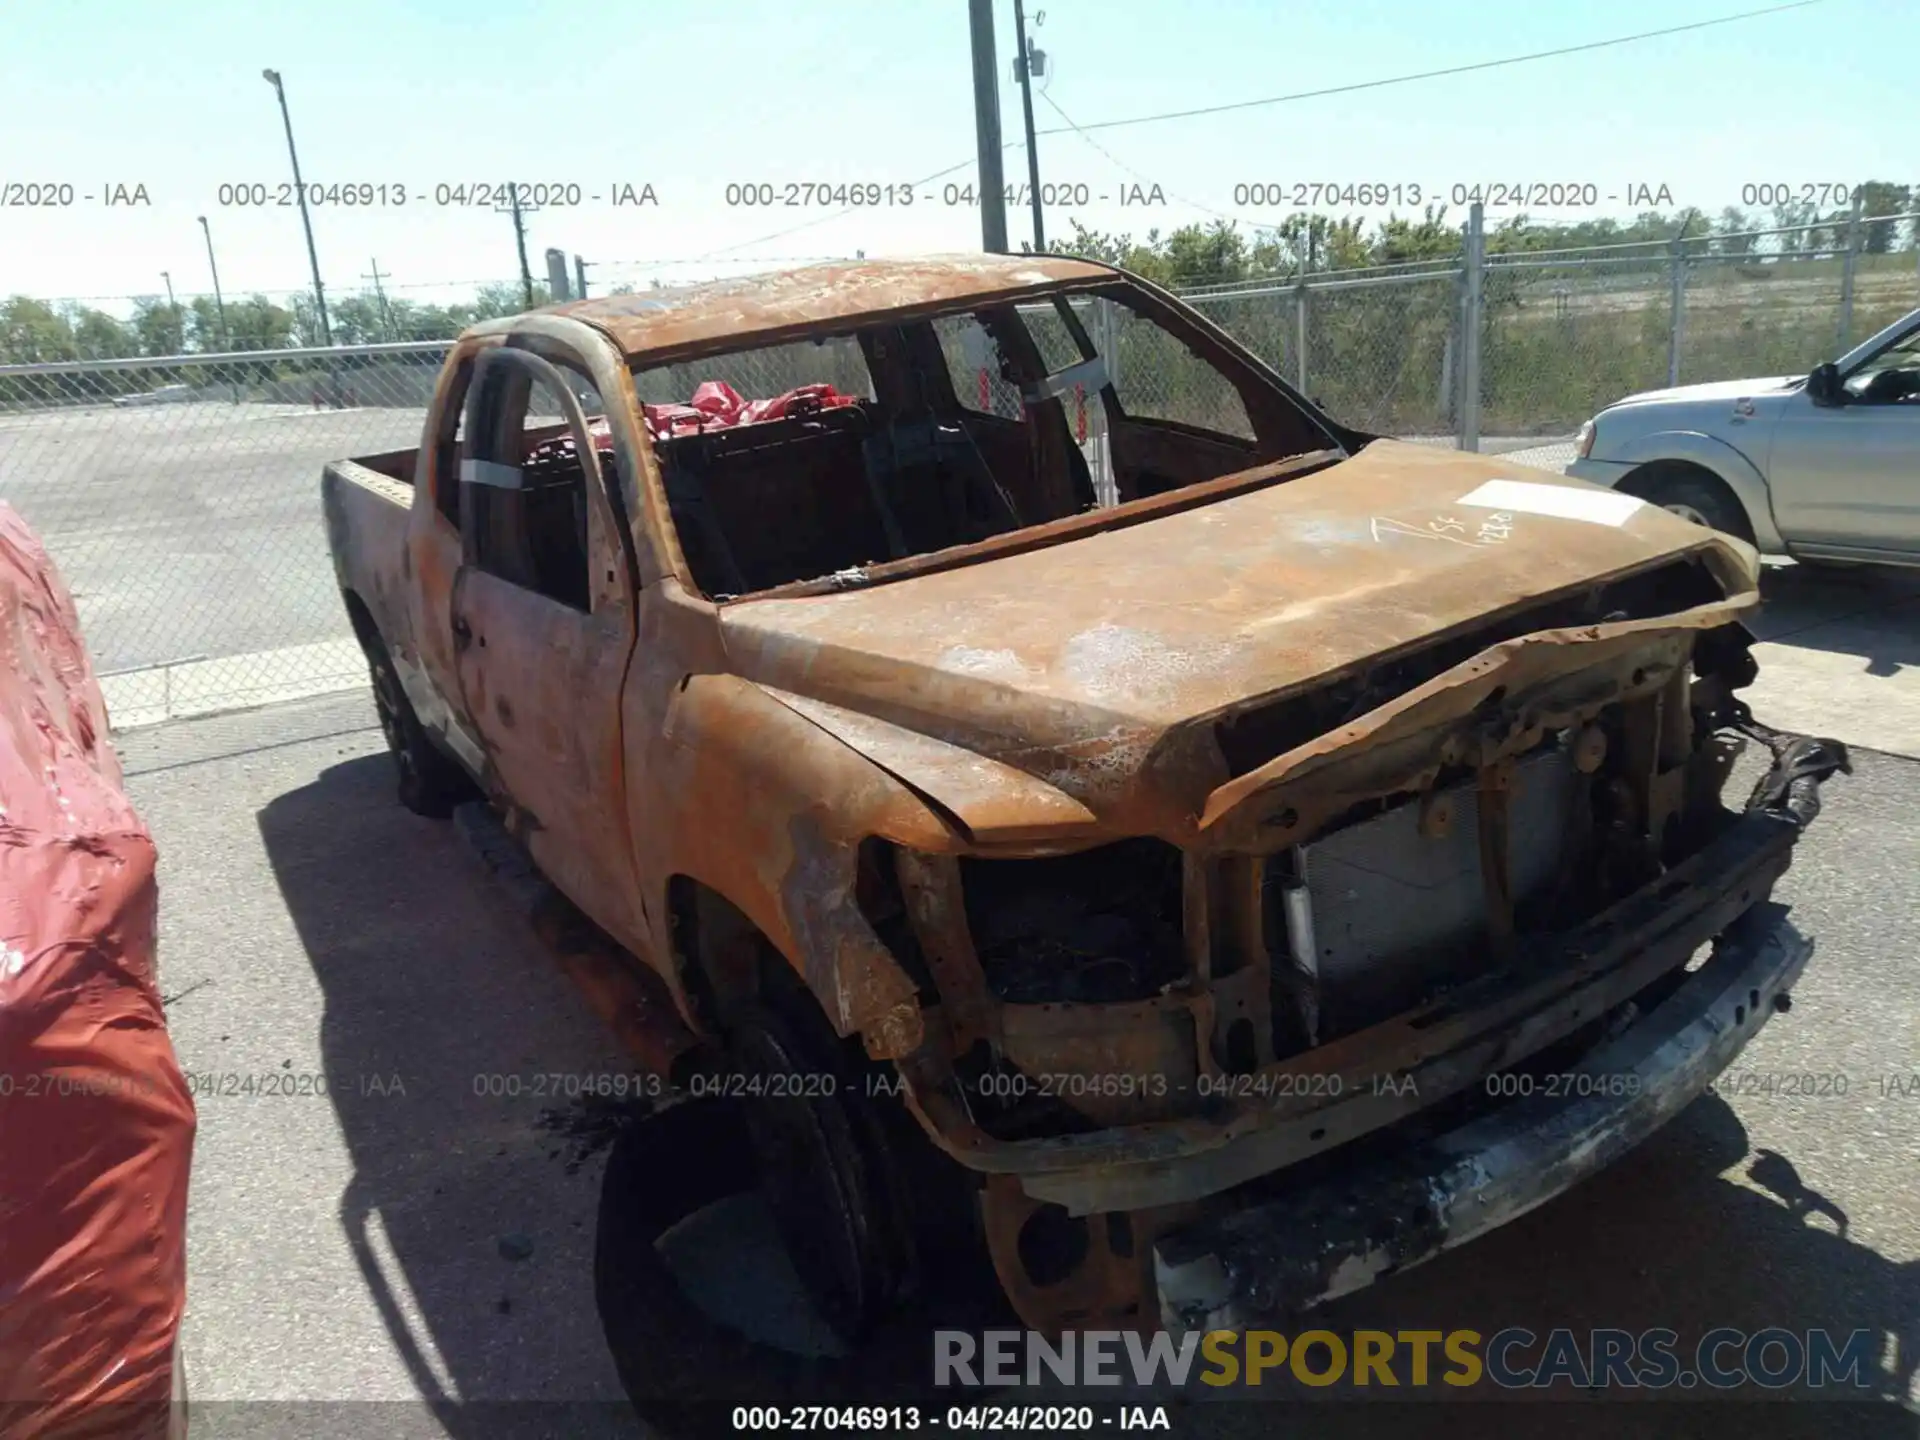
1565	502
1387	525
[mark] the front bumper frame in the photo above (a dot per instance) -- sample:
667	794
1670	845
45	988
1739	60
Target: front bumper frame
1557	984
1267	1261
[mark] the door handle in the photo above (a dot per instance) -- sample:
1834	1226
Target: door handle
462	632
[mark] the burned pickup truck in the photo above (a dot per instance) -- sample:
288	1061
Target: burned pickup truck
986	674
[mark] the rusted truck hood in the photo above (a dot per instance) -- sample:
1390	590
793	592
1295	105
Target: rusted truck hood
1070	664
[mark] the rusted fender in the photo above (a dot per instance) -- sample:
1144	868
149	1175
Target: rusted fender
768	810
991	802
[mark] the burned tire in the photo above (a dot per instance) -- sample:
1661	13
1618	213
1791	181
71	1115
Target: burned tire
1699	497
430	783
679	1368
823	1166
682	1370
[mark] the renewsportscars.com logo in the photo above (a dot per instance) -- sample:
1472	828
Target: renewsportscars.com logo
1514	1358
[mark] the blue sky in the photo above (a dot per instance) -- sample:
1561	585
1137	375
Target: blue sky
689	98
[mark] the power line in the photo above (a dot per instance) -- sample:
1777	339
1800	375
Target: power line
1477	65
1115	159
1359	85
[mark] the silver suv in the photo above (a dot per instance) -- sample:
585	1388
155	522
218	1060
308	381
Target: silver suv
1824	466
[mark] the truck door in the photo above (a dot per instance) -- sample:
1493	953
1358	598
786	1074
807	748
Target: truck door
543	627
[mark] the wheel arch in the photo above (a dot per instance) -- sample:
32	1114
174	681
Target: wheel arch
721	957
1654	455
360	615
753	804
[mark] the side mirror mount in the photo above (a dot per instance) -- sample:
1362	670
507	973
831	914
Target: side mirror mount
1824	388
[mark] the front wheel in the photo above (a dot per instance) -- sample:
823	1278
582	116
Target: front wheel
431	784
1701	499
877	1228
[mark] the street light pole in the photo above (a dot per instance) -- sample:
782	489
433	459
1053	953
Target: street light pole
173	314
1026	106
219	301
272	77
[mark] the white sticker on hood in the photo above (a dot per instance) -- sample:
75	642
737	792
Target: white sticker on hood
1599	507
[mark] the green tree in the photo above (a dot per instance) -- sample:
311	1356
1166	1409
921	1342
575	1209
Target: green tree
1428	238
159	326
204	330
306	321
1213	254
32	332
359	320
259	324
1877	198
1146	259
491	302
1728	236
98	335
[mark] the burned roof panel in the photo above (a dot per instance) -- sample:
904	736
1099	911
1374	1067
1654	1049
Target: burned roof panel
685	319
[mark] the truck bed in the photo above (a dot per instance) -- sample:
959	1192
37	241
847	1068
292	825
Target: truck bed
393	464
366	504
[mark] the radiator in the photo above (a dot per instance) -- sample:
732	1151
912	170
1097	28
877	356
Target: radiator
1389	912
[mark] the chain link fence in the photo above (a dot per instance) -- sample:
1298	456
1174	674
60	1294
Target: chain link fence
180	498
180	495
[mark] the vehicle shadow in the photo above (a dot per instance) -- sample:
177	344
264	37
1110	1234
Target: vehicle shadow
446	1033
1693	1231
1872	611
430	977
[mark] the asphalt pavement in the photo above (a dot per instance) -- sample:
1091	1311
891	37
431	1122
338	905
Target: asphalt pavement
415	1235
190	531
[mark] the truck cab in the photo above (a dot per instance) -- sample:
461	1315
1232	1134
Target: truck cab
982	685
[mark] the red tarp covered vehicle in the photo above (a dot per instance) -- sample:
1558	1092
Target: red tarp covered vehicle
96	1122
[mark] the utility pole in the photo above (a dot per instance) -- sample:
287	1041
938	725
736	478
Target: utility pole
520	239
272	77
219	301
580	277
1026	106
386	315
986	124
1475	266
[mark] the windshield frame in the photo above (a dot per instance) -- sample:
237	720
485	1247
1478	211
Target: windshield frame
1871	347
1260	386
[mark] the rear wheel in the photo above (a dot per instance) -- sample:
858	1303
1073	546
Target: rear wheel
431	784
1701	498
